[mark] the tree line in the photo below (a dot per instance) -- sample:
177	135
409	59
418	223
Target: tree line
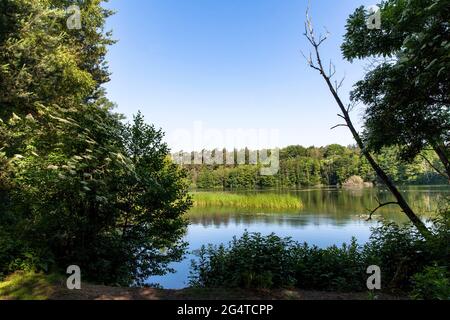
316	166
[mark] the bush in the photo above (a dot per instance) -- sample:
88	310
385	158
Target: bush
252	261
399	251
333	268
256	261
432	284
118	215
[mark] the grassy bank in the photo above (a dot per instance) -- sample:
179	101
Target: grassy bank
246	201
28	286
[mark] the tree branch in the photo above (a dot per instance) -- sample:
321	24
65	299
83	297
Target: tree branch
380	205
339	125
434	167
339	85
401	201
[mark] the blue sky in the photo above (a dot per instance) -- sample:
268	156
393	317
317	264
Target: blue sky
229	64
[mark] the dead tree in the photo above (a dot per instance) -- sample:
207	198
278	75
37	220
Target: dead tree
315	62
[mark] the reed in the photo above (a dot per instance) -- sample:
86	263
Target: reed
246	201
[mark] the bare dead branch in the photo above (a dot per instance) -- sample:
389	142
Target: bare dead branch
322	38
351	106
434	167
380	205
331	70
339	85
401	201
305	57
339	125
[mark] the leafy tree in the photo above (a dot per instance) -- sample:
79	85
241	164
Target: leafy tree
330	165
242	177
209	179
317	64
334	150
77	186
407	91
152	200
291	152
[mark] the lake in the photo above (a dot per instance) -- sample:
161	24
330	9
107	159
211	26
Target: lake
329	216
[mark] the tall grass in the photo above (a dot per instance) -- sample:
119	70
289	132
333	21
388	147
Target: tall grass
246	201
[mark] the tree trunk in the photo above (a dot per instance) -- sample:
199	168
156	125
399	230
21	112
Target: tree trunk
345	115
440	151
379	171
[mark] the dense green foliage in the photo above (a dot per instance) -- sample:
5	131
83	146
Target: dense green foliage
256	261
77	186
407	89
432	283
331	165
247	201
28	286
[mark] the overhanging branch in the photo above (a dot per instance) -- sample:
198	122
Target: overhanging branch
380	205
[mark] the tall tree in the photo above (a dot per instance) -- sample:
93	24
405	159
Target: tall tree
407	91
315	62
77	186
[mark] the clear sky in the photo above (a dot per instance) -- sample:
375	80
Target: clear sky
201	68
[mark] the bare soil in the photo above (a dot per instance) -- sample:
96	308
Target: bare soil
97	292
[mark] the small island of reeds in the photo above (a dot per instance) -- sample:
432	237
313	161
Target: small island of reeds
246	201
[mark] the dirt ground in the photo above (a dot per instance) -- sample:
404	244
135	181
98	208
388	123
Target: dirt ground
37	286
96	292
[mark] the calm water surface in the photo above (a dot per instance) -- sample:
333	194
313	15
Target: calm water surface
329	216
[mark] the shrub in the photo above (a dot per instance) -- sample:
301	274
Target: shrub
353	181
432	284
256	261
252	261
405	259
333	268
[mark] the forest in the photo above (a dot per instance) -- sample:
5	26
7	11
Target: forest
82	185
312	166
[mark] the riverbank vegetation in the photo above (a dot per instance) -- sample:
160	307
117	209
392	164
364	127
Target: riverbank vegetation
246	201
409	263
313	166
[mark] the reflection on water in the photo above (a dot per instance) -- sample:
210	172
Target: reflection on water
329	216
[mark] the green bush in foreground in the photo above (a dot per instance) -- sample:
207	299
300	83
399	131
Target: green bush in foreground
432	283
256	261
